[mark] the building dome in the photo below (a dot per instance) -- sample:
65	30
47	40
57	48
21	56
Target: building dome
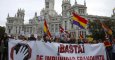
52	13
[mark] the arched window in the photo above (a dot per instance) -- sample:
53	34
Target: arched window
47	4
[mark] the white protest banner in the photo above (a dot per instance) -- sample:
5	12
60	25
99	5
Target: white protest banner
38	50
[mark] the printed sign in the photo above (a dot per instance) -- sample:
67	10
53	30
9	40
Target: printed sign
38	50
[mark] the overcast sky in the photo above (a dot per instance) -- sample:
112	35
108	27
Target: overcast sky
94	7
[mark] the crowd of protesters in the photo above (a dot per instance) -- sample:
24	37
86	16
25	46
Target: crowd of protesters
110	46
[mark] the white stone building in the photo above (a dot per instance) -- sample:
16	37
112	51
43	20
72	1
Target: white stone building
15	25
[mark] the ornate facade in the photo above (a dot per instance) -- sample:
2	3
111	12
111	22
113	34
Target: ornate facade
15	25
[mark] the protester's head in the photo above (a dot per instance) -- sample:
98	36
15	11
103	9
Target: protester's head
39	37
20	37
32	35
113	40
5	35
47	37
100	41
11	36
